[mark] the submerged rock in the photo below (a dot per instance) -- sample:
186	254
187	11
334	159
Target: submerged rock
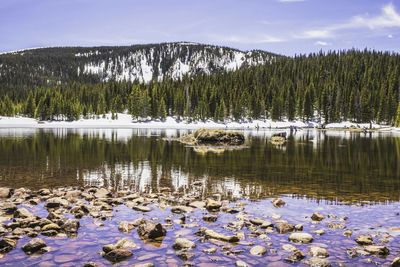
241	264
33	246
296	256
301	238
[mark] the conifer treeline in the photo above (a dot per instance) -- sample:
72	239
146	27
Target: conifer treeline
361	86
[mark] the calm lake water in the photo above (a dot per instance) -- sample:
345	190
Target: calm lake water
334	166
353	179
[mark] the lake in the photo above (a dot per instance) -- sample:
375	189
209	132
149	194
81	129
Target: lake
355	176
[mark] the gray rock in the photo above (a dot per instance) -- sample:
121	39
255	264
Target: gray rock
5	192
301	237
22	213
212	204
118	255
183	243
283	227
316	216
33	246
318	262
319	252
150	230
241	264
396	262
278	202
260	222
258	250
377	250
296	256
181	209
56	202
364	240
7	244
102	193
214	235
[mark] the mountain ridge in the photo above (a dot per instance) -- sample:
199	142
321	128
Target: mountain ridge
143	62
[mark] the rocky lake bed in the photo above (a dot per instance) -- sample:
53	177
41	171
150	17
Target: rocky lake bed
94	226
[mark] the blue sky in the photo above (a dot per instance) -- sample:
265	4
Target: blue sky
282	26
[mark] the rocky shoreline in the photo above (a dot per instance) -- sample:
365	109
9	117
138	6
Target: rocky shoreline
173	229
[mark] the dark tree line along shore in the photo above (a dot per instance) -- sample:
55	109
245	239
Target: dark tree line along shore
360	86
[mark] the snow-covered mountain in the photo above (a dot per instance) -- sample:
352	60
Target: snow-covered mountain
139	62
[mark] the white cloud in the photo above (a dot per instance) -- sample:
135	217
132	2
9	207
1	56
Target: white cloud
389	18
322	43
390	36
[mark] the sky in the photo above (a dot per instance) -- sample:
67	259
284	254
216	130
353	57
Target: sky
287	27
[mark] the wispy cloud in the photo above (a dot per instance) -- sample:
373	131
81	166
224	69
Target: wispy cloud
322	43
389	18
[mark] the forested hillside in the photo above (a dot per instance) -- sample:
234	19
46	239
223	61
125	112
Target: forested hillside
361	86
144	63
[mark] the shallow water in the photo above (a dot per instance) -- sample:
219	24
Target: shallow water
349	175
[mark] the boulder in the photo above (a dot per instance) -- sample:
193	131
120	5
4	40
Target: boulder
22	213
377	250
240	263
213	205
296	256
183	244
7	244
118	255
283	227
51	226
33	246
102	193
319	252
278	202
364	240
258	250
141	208
318	262
8	208
56	202
260	222
70	226
181	209
316	216
214	235
396	262
5	192
150	230
300	237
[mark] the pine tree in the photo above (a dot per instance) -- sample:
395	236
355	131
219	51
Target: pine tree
397	122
